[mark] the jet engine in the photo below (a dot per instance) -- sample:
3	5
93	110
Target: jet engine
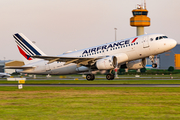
136	64
106	63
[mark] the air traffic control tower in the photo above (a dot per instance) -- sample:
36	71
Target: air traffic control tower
140	19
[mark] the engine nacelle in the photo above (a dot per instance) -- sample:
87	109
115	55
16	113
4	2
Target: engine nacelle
136	64
121	57
106	63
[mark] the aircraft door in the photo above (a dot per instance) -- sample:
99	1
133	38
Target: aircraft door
146	42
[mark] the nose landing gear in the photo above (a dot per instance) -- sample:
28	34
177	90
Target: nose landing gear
154	65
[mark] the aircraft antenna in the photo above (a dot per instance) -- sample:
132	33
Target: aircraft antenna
144	4
115	33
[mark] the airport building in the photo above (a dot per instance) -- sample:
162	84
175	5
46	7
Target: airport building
2	65
140	19
9	63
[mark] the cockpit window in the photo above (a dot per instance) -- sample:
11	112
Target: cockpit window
165	37
161	37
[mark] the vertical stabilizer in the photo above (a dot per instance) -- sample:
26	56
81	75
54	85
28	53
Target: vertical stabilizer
27	48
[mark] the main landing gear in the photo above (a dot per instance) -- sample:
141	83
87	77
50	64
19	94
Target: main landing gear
90	77
154	65
110	76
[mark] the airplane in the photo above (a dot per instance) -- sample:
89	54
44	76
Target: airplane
130	53
2	75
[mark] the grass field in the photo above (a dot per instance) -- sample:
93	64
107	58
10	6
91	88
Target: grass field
96	103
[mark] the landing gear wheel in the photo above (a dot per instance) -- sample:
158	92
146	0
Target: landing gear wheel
154	65
90	77
110	76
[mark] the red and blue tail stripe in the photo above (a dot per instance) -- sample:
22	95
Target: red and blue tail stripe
24	54
25	46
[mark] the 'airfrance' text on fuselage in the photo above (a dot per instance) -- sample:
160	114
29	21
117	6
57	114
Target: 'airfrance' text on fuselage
106	47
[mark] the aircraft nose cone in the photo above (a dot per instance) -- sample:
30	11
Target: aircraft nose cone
173	43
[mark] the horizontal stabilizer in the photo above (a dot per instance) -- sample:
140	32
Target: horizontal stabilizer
18	67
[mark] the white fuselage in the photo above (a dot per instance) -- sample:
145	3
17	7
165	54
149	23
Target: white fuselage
130	49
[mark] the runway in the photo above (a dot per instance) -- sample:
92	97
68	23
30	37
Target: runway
96	85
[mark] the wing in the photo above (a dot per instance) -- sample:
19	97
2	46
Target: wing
68	60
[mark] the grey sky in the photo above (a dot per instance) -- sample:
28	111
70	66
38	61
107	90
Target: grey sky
58	26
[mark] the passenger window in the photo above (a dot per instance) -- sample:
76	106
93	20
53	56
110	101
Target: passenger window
151	39
157	38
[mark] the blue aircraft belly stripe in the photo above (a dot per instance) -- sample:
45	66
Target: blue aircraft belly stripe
23	46
27	44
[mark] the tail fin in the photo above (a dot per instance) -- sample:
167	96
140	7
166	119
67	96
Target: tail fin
26	48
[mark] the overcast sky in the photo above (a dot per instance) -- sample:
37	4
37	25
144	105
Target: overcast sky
58	26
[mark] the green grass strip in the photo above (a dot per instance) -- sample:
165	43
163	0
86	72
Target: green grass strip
96	103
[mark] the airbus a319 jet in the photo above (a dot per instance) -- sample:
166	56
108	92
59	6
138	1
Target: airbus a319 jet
129	53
